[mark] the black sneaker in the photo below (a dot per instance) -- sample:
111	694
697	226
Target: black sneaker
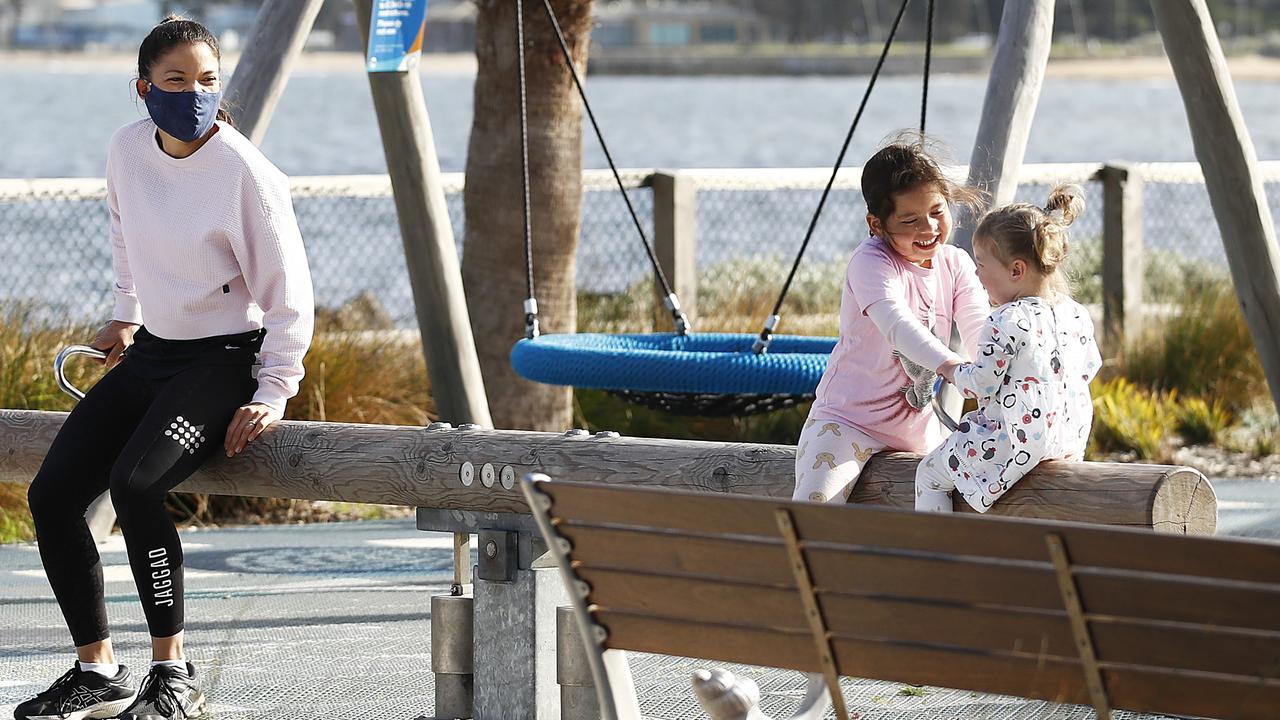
167	693
80	694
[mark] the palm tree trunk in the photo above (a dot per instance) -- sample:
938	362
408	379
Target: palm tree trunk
493	267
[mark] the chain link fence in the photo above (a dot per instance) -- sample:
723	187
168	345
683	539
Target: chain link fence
55	256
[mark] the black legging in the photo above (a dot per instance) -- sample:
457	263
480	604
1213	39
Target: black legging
144	428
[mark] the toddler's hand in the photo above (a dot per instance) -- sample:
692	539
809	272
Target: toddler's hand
948	370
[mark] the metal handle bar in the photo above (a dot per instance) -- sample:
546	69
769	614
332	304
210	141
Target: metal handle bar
940	411
67	352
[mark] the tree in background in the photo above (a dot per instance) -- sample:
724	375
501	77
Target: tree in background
493	268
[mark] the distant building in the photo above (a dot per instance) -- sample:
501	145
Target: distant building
86	24
451	25
631	24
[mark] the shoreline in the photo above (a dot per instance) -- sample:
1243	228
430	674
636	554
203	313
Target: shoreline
1243	67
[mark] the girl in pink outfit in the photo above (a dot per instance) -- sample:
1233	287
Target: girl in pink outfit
904	291
1035	359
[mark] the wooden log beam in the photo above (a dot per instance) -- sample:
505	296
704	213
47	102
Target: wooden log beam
477	470
1230	165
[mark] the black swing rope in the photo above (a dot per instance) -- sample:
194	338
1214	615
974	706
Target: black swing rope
765	338
678	317
928	58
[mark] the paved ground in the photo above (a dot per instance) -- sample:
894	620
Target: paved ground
332	621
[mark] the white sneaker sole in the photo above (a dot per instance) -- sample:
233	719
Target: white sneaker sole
100	712
198	708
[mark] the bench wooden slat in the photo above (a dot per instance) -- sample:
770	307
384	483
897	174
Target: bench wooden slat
726	643
770	608
939	579
1187	694
1201	648
879	574
706	514
1061	681
1052	679
1165	598
723	558
1040	633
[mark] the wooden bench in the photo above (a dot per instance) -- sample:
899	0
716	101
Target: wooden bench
1072	613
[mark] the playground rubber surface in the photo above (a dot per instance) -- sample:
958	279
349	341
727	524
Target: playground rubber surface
333	621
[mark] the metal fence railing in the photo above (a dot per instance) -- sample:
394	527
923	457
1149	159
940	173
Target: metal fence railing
54	253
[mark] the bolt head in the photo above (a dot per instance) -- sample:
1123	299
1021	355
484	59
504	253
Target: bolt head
491	549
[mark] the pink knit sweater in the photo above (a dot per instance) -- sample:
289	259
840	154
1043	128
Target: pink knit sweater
208	245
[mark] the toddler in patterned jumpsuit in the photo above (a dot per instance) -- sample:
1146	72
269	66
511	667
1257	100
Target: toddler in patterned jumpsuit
1033	365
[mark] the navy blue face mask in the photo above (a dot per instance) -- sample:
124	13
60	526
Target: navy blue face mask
185	115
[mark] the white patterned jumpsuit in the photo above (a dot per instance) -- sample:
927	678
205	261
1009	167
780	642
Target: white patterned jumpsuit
1031	380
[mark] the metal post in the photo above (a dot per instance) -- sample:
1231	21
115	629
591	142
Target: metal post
452	654
1122	253
573	670
517	591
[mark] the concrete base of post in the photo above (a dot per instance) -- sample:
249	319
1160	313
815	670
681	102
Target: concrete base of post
578	699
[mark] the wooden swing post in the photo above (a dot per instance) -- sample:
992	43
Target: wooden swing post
1230	166
434	272
279	32
1013	91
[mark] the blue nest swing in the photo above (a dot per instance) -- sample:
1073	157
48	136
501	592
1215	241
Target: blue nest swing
706	374
712	373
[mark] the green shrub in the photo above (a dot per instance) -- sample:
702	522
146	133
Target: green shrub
1204	350
1127	418
26	361
1201	422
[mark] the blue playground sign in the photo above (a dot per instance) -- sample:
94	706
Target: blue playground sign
395	34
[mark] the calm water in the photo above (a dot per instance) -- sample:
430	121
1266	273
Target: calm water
56	124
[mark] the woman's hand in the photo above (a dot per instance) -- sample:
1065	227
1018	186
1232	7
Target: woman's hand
114	338
249	422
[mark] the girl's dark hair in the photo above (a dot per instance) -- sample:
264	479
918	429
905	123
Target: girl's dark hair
1036	235
905	163
173	31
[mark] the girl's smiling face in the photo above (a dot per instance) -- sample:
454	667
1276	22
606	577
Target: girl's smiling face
919	225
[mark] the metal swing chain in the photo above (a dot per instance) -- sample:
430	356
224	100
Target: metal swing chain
765	339
672	303
531	302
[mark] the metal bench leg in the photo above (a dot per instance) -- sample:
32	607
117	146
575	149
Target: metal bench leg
615	688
